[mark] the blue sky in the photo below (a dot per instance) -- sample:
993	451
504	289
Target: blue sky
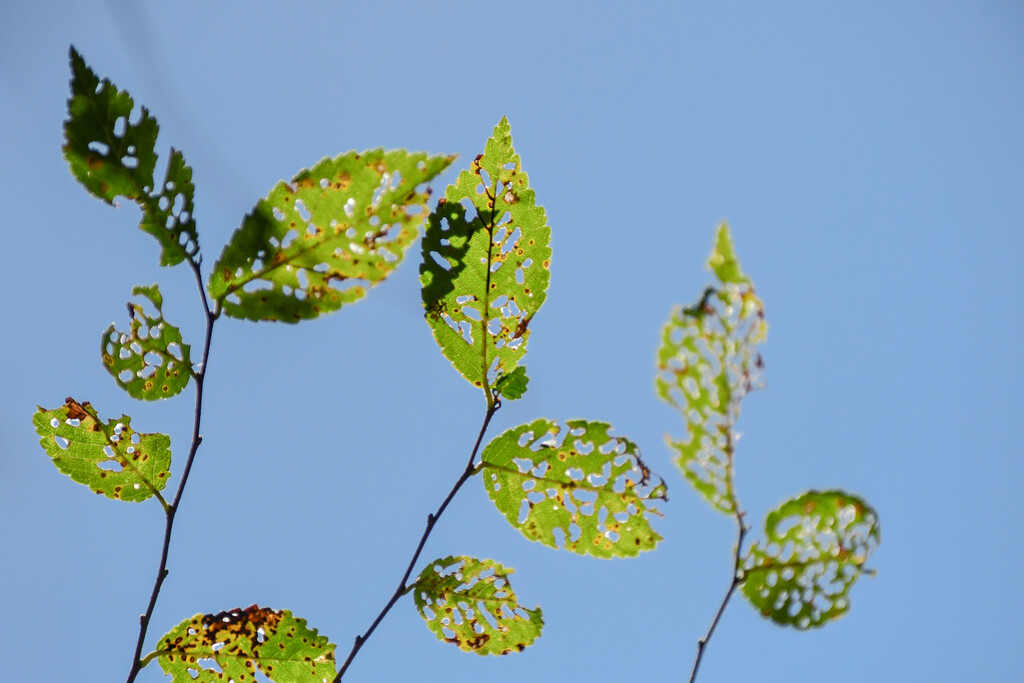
868	160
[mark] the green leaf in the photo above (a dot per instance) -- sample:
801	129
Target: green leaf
513	385
238	643
112	154
317	242
724	261
814	549
470	603
150	361
486	260
112	459
707	363
574	487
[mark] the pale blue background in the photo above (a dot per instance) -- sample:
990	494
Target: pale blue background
870	160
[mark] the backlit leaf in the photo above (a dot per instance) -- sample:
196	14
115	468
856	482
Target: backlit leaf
574	487
814	549
707	363
470	603
111	152
317	242
486	260
513	385
236	644
149	361
112	459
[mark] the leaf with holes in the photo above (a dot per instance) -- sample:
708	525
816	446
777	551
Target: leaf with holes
150	361
814	549
575	487
112	459
486	260
112	154
470	603
707	363
315	243
238	643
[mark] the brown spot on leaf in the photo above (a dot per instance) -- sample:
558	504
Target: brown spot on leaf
76	410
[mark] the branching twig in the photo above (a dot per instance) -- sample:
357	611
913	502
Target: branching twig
403	588
737	579
200	375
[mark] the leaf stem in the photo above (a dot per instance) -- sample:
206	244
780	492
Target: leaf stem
737	579
403	588
211	316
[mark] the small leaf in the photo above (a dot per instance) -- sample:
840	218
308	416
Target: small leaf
707	363
150	361
112	154
486	260
574	487
238	643
814	549
513	385
470	603
315	243
112	459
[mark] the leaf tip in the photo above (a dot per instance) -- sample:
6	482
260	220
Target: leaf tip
723	258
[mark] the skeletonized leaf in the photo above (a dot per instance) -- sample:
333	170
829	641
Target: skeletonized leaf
112	459
111	152
486	260
574	487
814	549
707	363
470	603
149	361
317	242
238	643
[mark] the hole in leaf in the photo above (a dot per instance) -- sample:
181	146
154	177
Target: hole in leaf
61	442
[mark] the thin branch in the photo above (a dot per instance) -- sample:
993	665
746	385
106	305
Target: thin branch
737	579
211	317
403	588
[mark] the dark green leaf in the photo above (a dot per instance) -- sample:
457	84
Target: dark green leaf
574	487
112	154
486	260
112	459
317	242
236	644
707	363
150	361
814	549
470	603
513	385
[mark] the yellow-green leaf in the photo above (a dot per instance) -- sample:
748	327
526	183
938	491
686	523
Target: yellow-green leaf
707	363
486	260
112	459
575	487
469	602
317	242
238	643
814	549
150	361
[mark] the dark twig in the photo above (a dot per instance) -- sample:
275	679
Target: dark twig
737	579
200	375
403	587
